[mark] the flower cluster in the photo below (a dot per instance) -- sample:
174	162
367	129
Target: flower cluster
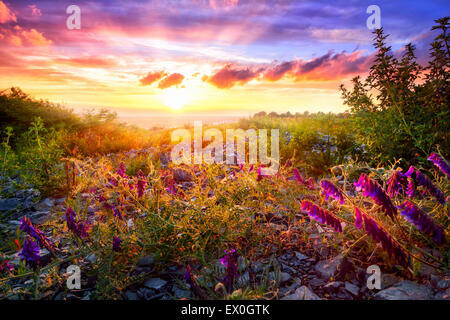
121	170
322	215
297	176
389	245
230	263
141	183
418	178
358	218
5	266
79	228
27	227
439	162
396	183
372	189
422	221
116	243
30	252
329	189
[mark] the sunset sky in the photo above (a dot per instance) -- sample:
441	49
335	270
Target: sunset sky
226	56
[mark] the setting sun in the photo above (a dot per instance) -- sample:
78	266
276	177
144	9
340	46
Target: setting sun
175	98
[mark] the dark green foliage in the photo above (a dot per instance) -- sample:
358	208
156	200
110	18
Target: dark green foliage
401	110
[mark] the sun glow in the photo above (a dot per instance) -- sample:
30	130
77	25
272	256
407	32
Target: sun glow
176	98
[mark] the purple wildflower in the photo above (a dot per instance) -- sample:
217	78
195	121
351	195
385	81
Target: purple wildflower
27	227
5	266
121	170
141	183
297	176
358	218
388	244
117	213
30	252
329	189
322	215
116	243
418	178
79	228
230	263
260	176
396	183
422	221
372	189
439	162
188	277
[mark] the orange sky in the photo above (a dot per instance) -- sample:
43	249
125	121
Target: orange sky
235	56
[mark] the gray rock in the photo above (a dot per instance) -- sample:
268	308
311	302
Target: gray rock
328	268
91	258
130	295
40	217
302	293
353	289
146	261
8	204
332	286
155	283
405	290
443	295
282	277
317	282
443	283
388	280
181	293
300	256
46	204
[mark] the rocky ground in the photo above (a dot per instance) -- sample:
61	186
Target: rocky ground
299	273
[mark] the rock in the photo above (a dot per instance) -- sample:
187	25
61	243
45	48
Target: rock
155	283
332	286
388	280
354	290
130	295
405	290
8	204
300	256
91	258
302	293
40	217
146	261
443	283
443	295
317	282
328	268
181	175
46	204
283	277
181	293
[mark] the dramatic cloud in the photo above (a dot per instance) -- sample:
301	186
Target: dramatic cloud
171	80
6	15
229	75
35	11
152	77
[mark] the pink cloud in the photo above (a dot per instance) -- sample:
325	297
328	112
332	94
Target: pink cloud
35	11
6	15
171	80
152	77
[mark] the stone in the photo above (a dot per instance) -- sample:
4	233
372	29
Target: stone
91	258
328	268
443	295
155	283
40	217
302	293
300	256
130	295
181	293
353	289
282	276
146	261
443	283
46	204
388	280
332	286
405	290
8	204
317	282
